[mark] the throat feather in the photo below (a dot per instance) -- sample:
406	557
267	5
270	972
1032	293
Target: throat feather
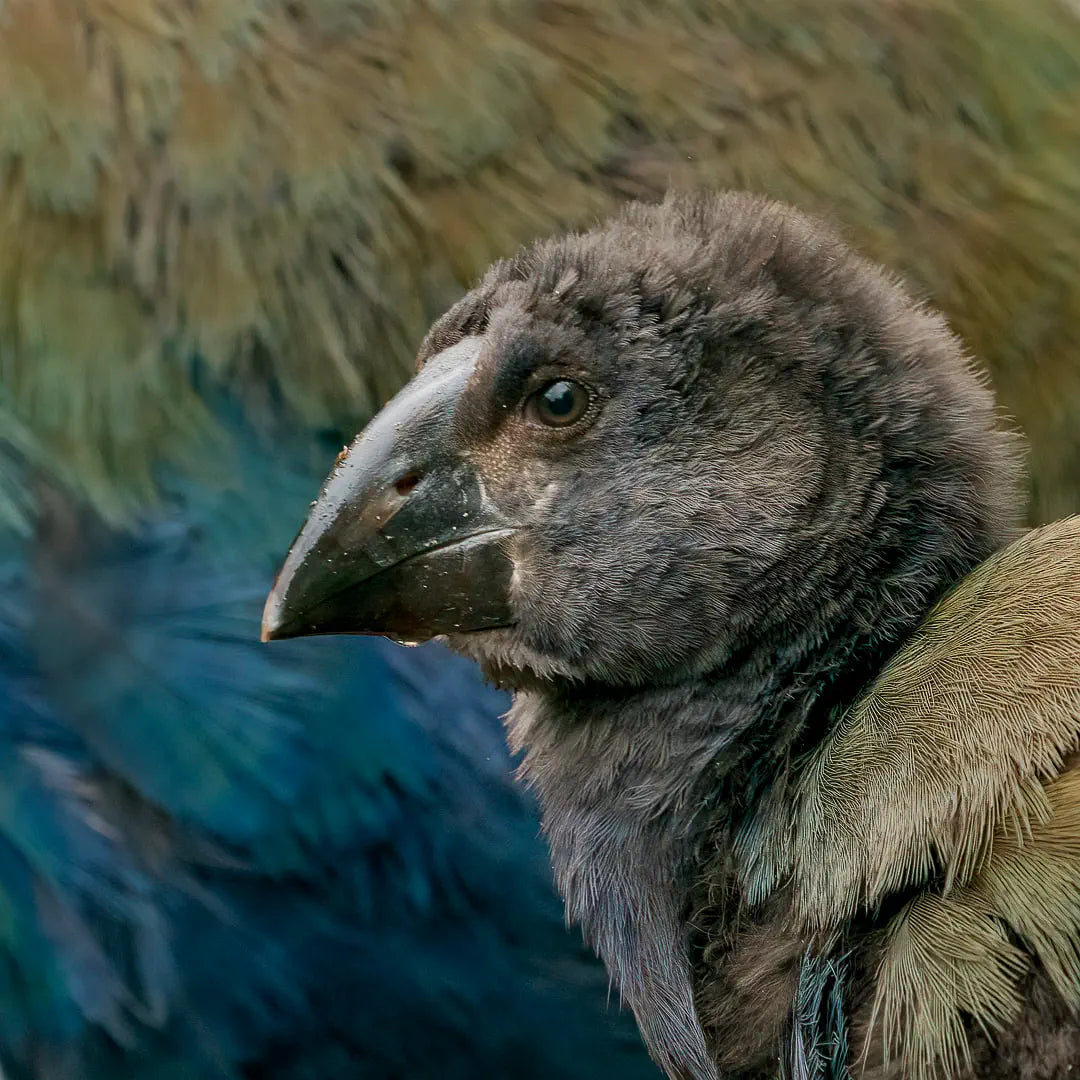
621	797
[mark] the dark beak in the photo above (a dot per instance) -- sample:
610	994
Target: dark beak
403	540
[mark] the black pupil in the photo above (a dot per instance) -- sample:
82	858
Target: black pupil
560	400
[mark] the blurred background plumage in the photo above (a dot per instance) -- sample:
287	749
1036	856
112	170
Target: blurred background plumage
221	860
224	228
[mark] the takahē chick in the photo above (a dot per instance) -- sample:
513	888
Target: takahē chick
735	519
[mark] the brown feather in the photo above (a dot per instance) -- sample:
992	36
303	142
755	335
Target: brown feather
943	958
949	964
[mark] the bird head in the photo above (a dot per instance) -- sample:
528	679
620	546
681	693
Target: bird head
631	453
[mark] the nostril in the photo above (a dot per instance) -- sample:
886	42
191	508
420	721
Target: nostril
404	484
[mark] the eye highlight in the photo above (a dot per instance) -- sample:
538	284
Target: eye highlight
558	404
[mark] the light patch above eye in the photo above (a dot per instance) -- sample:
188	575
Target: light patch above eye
558	404
463	351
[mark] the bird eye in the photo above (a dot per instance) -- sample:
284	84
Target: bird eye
558	404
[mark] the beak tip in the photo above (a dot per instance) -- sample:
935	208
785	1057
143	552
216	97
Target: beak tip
271	617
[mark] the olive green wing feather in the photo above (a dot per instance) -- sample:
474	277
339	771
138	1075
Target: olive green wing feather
968	953
956	771
953	742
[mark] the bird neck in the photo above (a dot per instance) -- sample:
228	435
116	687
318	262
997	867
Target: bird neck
634	784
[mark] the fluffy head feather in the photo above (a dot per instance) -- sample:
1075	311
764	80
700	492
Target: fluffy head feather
785	452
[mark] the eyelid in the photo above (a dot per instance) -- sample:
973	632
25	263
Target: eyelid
549	373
